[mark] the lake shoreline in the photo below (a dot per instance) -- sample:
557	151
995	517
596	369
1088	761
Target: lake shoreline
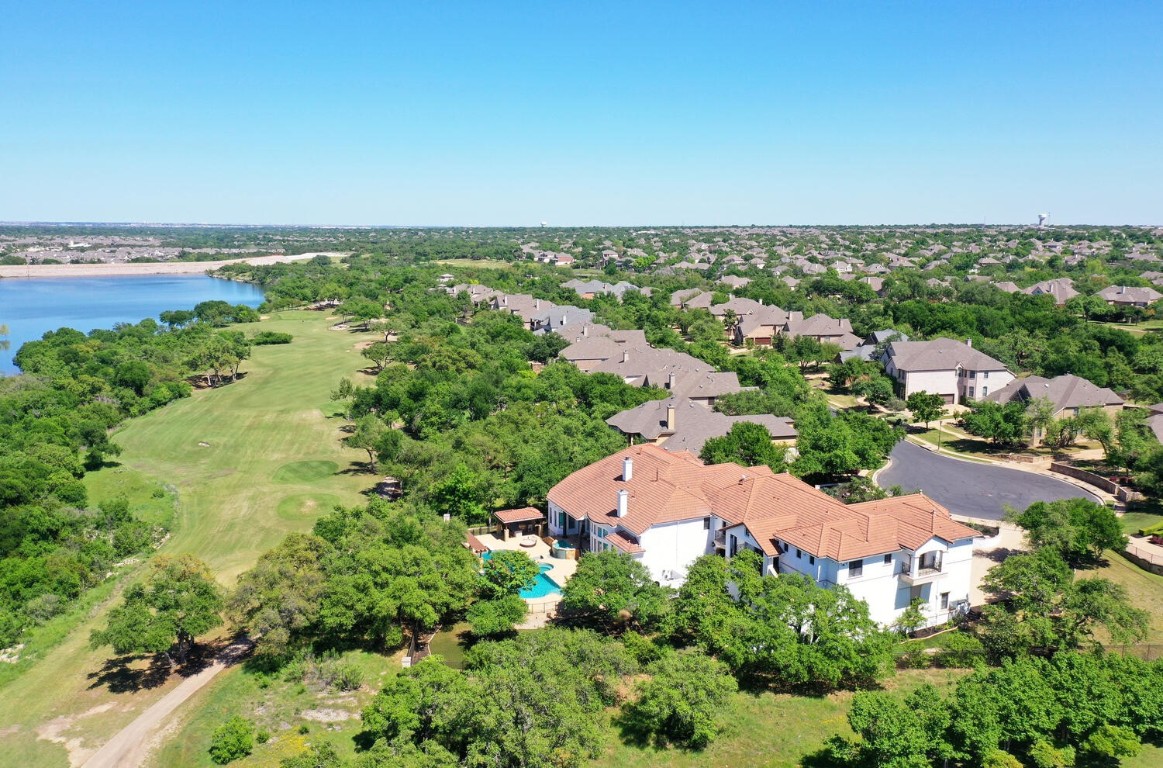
34	271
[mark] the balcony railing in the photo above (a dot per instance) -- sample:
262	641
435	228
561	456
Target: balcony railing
921	576
721	537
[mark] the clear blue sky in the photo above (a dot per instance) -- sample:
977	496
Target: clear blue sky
493	113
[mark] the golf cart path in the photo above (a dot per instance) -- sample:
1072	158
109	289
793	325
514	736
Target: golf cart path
132	744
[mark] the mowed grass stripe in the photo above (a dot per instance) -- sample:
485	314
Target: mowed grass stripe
227	450
231	509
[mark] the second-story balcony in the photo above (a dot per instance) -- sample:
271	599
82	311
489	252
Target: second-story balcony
919	575
721	538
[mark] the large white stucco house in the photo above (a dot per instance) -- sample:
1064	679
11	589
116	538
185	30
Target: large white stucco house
946	367
667	508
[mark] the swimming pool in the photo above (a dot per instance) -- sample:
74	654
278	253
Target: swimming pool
543	586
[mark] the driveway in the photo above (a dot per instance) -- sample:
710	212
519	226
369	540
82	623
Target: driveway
968	488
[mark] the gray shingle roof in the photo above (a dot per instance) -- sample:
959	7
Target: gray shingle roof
1065	391
940	355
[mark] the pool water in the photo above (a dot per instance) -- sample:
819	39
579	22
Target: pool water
543	586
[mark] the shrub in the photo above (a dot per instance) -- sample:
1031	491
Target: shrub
232	740
680	702
491	618
271	337
960	649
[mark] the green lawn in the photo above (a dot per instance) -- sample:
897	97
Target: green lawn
279	707
770	730
271	464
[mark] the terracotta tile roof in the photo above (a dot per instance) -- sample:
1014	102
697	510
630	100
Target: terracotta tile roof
474	544
668	487
624	543
525	514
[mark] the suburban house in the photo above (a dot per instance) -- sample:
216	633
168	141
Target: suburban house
594	344
760	327
692	298
666	509
867	349
1126	296
738	306
682	424
1155	420
734	281
823	328
1068	393
588	289
945	367
678	372
549	319
1062	289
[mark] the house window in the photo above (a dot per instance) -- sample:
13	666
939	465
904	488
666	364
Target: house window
971	391
944	601
799	554
984	391
855	569
985	375
811	559
706	524
733	549
888	559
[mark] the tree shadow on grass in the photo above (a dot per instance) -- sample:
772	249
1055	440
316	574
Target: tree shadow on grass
125	674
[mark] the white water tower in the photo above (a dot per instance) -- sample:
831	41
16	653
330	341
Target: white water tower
1042	219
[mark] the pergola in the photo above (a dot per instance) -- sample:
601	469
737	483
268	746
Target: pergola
520	522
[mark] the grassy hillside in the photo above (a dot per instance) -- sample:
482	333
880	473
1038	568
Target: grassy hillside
271	463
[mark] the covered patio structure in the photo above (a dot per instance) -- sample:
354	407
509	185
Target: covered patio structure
525	521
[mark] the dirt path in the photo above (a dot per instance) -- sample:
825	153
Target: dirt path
131	745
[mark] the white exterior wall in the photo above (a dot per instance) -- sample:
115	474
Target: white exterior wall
880	584
672	547
555	529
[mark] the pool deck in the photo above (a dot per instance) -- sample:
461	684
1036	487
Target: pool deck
541	609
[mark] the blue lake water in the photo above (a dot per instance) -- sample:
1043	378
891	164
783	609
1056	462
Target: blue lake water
30	308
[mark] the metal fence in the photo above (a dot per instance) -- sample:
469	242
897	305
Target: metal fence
1147	559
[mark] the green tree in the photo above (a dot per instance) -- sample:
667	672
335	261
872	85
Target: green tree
1000	424
747	444
369	431
378	353
1038	607
277	601
926	407
178	601
1077	529
682	700
612	591
233	740
508	571
498	616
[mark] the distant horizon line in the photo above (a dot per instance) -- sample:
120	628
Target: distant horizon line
210	225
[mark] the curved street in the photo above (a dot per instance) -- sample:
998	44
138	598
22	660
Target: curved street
968	488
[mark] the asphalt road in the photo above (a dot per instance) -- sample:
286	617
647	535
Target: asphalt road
970	489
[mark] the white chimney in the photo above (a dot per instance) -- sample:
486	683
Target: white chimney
537	303
969	343
671	380
585	330
670	417
625	355
563	319
623	502
627	469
